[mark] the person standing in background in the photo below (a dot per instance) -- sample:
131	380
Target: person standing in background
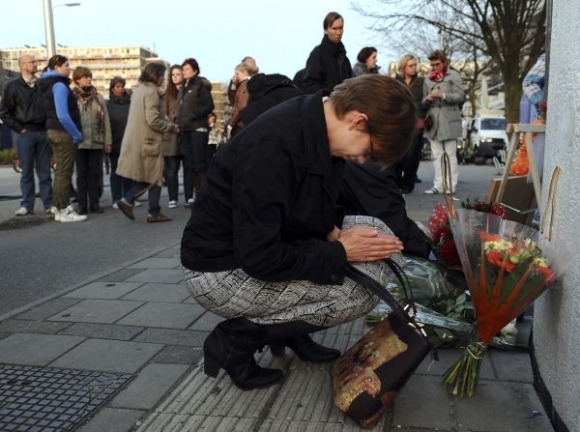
251	62
63	130
96	140
328	65
22	110
367	62
407	167
195	104
443	95
141	159
242	75
118	108
172	147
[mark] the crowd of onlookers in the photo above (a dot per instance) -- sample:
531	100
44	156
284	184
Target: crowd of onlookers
152	131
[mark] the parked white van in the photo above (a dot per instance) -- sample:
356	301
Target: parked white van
486	137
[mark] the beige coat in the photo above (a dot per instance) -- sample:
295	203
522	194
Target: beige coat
141	159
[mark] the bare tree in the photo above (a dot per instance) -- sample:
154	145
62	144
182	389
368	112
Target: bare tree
511	33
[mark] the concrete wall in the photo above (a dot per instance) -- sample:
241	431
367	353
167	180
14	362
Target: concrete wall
557	313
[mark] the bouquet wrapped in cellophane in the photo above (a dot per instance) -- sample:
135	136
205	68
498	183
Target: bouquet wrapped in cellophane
507	265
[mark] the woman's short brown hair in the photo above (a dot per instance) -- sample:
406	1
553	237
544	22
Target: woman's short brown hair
81	72
365	53
391	112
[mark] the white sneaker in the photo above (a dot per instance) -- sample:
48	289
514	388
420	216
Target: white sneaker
172	204
137	203
115	205
432	191
189	203
69	215
23	211
51	210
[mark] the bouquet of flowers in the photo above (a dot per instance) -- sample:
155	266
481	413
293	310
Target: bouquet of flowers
506	270
440	229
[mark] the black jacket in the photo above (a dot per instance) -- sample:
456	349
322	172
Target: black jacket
416	89
327	66
21	106
118	108
195	104
367	190
267	204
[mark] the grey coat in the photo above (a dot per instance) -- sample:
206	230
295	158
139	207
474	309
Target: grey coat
446	112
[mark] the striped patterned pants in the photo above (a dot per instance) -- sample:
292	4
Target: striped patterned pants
234	293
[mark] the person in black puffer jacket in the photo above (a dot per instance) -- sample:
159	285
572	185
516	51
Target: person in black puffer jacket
195	104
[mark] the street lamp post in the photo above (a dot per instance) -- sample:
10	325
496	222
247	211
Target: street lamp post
49	25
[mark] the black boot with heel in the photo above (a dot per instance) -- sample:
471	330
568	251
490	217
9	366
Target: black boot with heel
231	346
294	335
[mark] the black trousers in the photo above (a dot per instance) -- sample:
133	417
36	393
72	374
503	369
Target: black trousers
171	168
195	160
407	167
89	177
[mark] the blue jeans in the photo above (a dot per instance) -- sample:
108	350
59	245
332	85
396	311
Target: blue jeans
139	189
34	154
119	185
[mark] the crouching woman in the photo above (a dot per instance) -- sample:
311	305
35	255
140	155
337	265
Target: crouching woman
262	248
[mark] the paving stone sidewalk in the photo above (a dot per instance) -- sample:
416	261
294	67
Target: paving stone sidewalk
137	334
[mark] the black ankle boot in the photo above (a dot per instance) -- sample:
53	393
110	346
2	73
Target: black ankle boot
305	348
294	335
231	346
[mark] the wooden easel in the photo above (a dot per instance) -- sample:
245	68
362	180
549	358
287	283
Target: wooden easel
528	129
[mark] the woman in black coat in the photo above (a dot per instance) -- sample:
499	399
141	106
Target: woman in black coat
262	248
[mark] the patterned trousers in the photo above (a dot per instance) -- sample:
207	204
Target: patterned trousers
234	293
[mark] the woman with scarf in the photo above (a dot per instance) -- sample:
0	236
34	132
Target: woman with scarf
328	65
96	138
443	95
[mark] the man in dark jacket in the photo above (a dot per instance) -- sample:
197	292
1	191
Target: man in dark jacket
328	65
22	110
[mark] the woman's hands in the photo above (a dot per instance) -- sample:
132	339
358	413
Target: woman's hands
366	244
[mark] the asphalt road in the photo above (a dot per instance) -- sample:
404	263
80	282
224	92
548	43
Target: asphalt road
39	257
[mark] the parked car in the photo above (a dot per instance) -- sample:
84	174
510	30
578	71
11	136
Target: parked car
485	138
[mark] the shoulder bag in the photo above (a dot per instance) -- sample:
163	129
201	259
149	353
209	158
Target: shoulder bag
367	378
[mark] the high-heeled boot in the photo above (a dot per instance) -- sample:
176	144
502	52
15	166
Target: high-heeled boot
231	346
295	336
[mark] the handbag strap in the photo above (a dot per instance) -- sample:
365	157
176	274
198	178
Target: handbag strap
379	290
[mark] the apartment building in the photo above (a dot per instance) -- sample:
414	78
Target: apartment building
105	62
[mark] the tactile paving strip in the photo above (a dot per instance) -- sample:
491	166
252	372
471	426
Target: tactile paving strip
52	400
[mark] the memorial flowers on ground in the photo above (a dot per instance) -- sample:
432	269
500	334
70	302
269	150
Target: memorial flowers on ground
506	270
